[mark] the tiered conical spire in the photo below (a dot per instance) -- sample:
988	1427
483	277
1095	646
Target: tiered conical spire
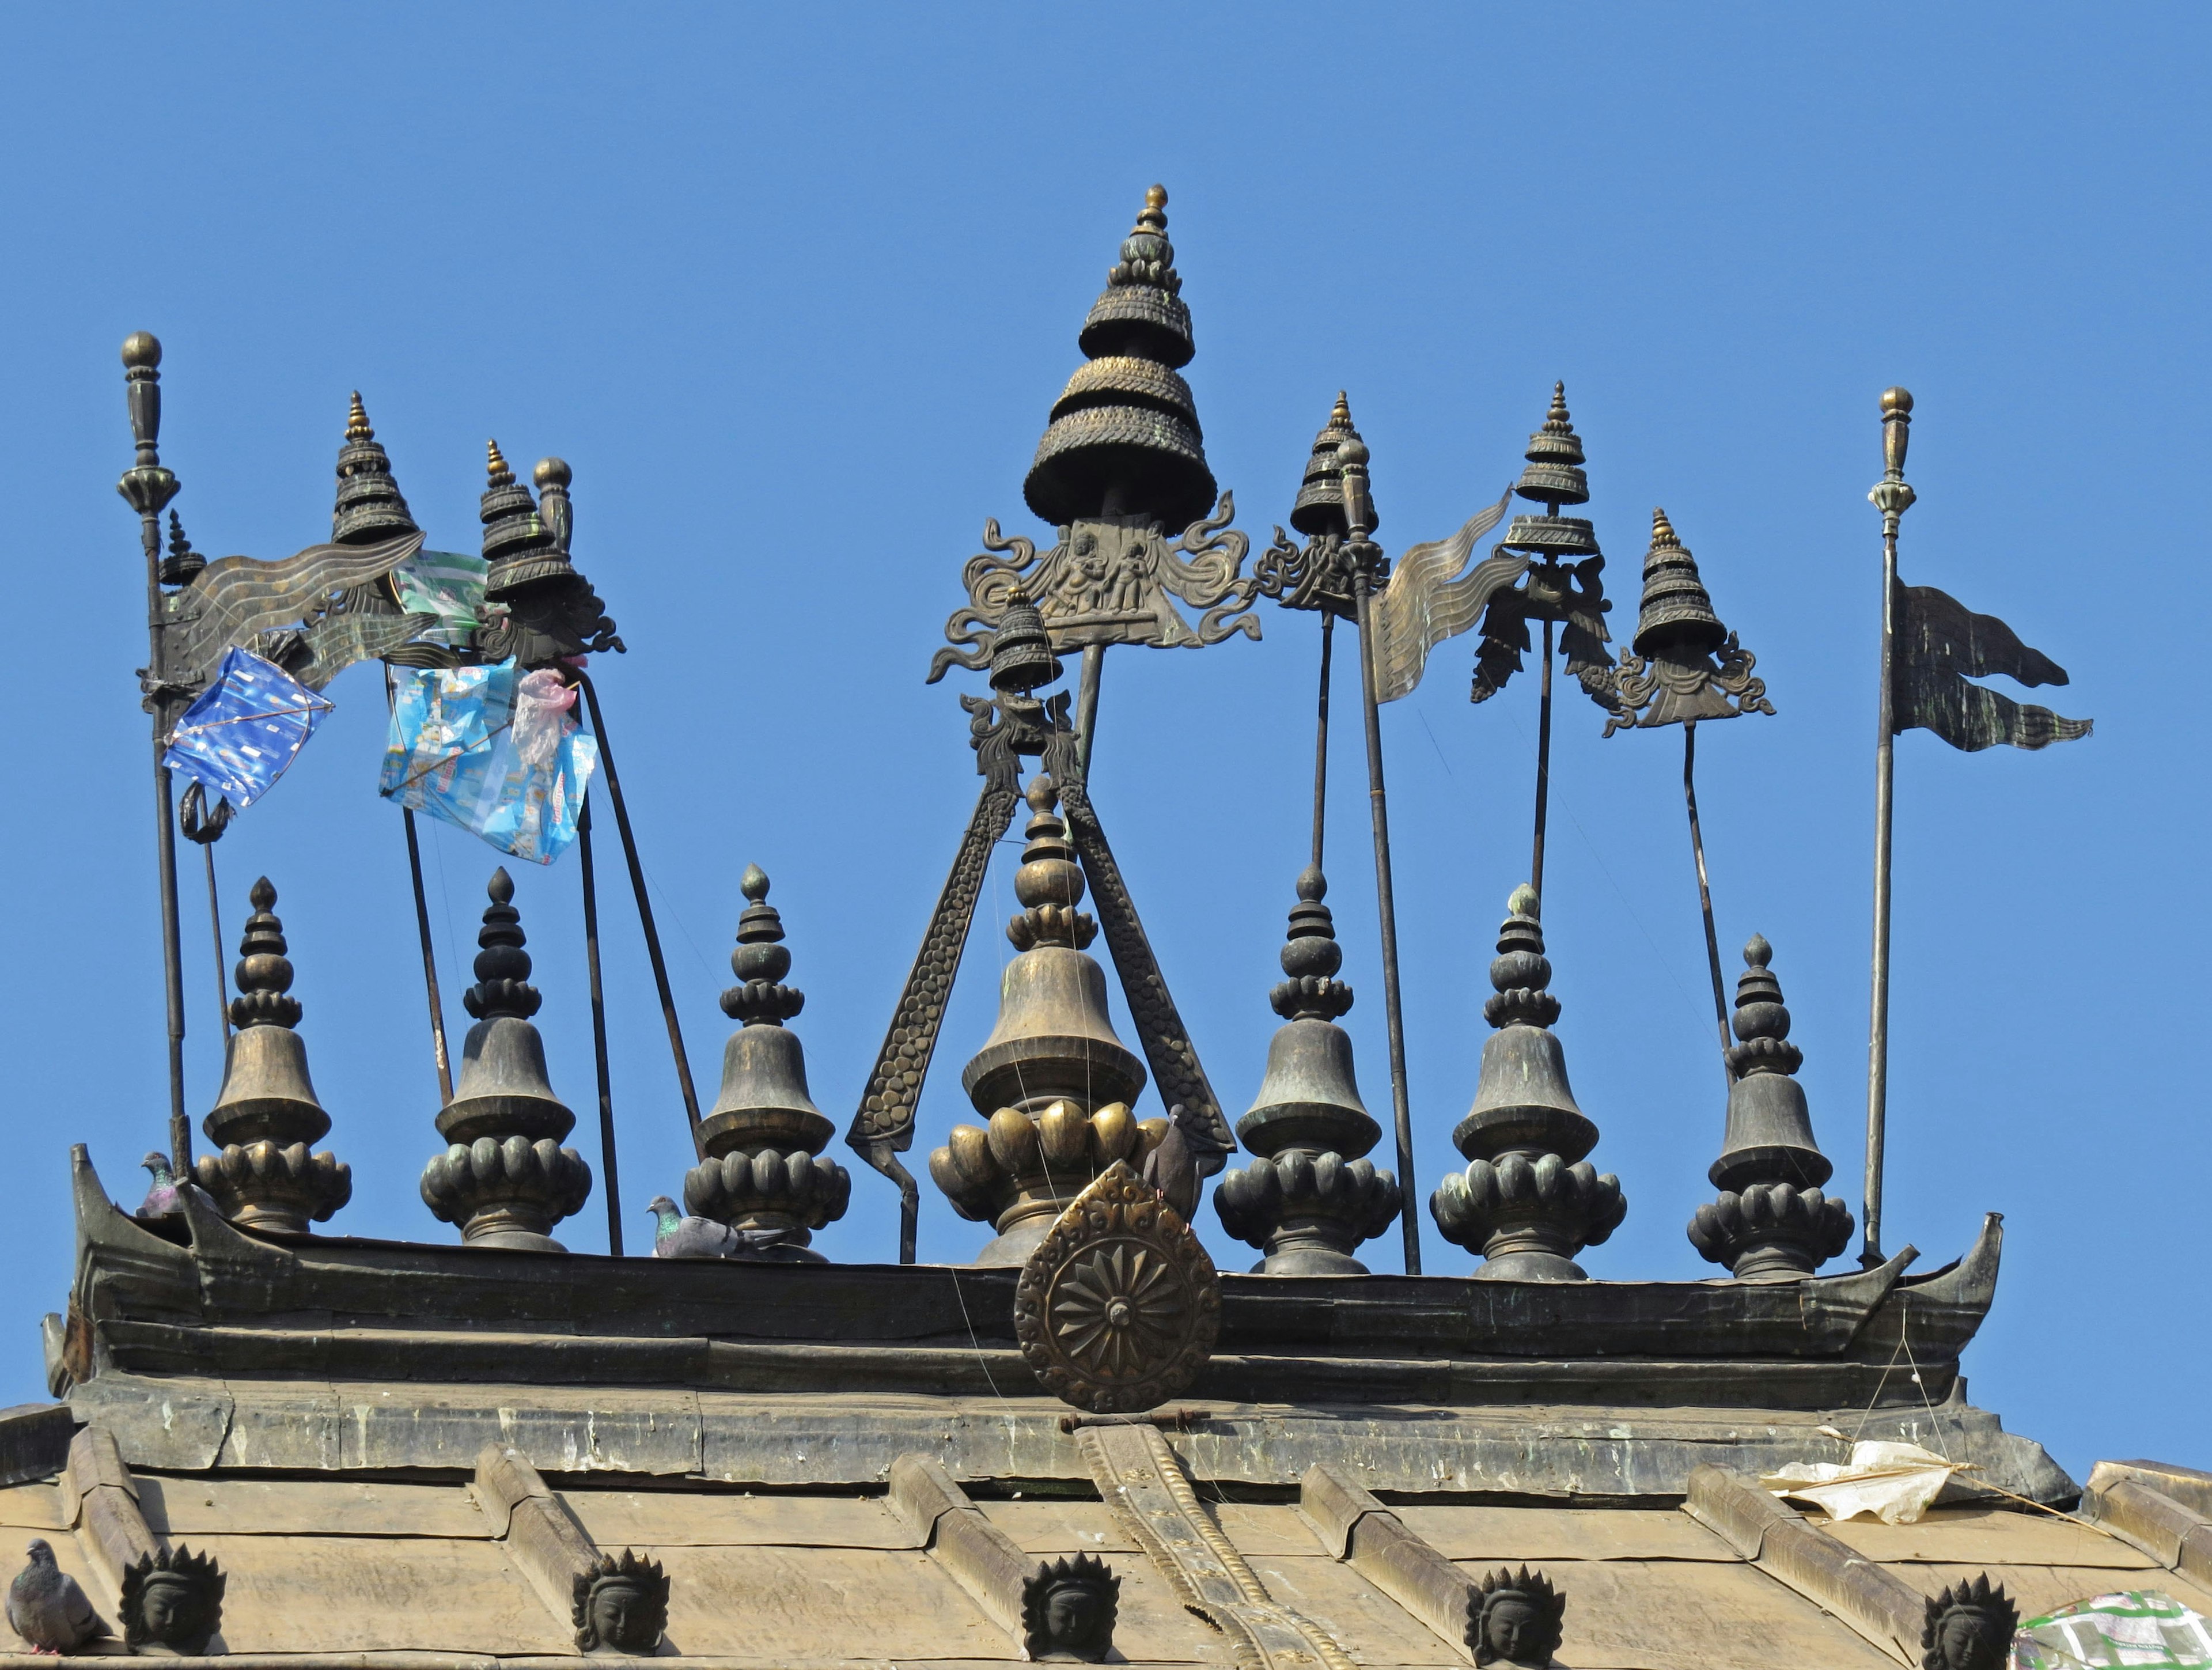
1124	437
1684	665
370	508
504	1177
1312	1196
1553	477
517	547
1319	507
182	563
1772	1221
763	1174
1528	1200
1053	1079
261	1172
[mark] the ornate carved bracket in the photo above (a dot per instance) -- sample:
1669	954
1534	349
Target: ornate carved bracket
615	1603
167	1599
1111	580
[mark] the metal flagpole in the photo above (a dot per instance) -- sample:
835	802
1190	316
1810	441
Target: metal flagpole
1892	497
1704	890
1359	518
148	487
1543	768
1320	739
599	1028
422	932
644	908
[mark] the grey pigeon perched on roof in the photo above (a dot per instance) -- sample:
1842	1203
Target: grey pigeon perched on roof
47	1608
681	1237
1172	1169
162	1198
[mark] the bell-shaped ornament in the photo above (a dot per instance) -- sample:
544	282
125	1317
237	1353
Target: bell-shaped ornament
1770	1129
1053	1038
266	1095
503	1091
763	1102
1523	1101
1307	1098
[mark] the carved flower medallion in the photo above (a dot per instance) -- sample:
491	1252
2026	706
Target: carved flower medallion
1118	1307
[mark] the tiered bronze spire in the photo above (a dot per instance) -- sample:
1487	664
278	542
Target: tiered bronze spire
1053	1079
1772	1221
1528	1200
504	1178
1124	437
261	1173
1312	1196
370	508
763	1174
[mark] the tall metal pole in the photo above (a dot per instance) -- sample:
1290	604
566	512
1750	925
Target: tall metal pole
1704	890
1892	498
644	910
215	936
1086	703
148	487
429	960
613	1190
1359	518
1543	768
1321	740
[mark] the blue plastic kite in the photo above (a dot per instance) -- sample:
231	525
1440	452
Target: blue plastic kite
244	728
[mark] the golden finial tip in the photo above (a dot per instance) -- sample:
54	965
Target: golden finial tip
142	348
495	465
1156	197
357	421
1897	403
1662	531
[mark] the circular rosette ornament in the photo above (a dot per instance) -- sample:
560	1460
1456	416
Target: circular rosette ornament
1118	1307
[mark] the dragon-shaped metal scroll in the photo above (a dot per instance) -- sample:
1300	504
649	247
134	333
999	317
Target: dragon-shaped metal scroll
1111	580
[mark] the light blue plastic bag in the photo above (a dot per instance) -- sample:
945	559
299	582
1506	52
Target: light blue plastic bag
499	754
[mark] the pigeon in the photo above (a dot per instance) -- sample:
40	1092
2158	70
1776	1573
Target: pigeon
47	1608
1172	1169
162	1198
680	1237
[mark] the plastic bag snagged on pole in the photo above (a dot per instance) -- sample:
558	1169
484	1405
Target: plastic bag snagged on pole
238	737
497	752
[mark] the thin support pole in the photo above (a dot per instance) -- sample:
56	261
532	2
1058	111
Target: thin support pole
1543	769
644	910
1086	703
1884	761
1321	740
1704	890
215	939
429	960
173	959
613	1190
1394	1019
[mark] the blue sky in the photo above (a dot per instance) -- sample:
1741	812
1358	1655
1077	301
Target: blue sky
793	290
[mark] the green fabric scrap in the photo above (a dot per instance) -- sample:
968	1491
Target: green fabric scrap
2142	1628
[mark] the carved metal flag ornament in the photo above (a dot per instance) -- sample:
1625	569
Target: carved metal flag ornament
1931	645
1434	593
1941	645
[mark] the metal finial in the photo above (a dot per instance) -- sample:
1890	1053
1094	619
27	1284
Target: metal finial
754	882
760	961
183	561
501	887
357	422
502	966
1757	952
495	466
263	972
552	472
369	506
1156	197
142	349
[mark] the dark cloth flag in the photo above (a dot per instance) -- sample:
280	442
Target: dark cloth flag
1941	644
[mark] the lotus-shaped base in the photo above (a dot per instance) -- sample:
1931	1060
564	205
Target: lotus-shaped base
508	1193
794	1194
1308	1212
267	1187
1528	1215
1772	1232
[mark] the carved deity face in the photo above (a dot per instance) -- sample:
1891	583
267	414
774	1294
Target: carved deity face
618	1614
1966	1640
1073	1616
1516	1631
169	1609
